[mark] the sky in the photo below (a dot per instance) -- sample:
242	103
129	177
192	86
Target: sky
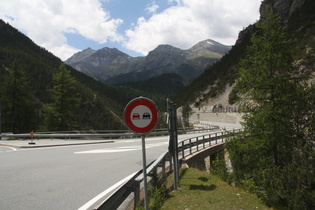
135	27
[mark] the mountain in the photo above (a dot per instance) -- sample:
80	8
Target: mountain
101	64
81	55
215	85
100	105
113	66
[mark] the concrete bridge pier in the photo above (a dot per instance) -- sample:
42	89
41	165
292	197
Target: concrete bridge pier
203	160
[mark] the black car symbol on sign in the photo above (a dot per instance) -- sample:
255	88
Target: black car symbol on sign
146	115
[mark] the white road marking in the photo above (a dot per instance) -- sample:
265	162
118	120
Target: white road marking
101	195
98	151
12	148
119	149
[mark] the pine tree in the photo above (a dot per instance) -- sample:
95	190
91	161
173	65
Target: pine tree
276	107
17	102
271	88
60	114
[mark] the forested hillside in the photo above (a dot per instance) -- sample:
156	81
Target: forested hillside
301	28
28	88
271	68
23	63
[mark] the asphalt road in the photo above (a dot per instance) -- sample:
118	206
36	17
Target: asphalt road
67	177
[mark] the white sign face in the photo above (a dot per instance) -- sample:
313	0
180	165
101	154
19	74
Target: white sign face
141	116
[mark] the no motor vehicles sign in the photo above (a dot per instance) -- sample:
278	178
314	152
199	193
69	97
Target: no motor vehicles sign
141	115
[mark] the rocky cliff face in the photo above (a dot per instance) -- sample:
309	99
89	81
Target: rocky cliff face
284	7
80	56
114	66
299	14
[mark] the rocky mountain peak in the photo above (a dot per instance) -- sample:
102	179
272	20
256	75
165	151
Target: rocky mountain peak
110	54
106	63
165	48
210	48
80	56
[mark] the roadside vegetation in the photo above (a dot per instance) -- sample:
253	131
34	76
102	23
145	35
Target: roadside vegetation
199	190
274	155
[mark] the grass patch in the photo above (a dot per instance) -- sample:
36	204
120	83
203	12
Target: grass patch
200	190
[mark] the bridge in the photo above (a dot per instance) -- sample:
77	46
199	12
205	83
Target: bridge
194	152
129	188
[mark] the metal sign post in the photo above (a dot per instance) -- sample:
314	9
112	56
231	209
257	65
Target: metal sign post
146	200
32	136
173	142
0	122
141	116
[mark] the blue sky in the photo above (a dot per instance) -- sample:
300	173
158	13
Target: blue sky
135	27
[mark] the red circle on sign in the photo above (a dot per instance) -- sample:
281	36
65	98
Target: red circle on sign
132	118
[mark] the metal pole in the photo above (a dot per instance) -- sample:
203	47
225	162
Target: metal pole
176	168
0	122
146	203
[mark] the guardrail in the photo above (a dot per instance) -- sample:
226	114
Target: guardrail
93	134
195	144
186	147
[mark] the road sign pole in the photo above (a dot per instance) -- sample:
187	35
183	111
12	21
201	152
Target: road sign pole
0	122
141	116
146	203
173	143
176	167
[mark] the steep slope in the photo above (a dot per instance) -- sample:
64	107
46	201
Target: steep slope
214	86
100	104
79	56
101	64
117	67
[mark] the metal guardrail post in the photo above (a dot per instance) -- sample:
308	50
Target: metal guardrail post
133	185
190	147
183	150
136	193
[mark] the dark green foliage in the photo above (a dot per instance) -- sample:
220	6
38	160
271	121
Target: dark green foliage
233	96
17	102
96	111
59	115
186	112
219	167
291	186
271	154
165	84
158	191
39	66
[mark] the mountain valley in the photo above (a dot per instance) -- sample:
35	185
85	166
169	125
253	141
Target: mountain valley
113	66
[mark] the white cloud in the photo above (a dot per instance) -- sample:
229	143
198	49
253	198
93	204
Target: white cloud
46	22
192	21
183	24
152	7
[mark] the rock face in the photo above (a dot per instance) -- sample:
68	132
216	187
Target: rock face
113	66
80	55
284	7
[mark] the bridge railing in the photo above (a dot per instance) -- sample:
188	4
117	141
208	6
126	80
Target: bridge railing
193	145
103	134
186	147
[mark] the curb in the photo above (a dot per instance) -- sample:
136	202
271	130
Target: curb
55	145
